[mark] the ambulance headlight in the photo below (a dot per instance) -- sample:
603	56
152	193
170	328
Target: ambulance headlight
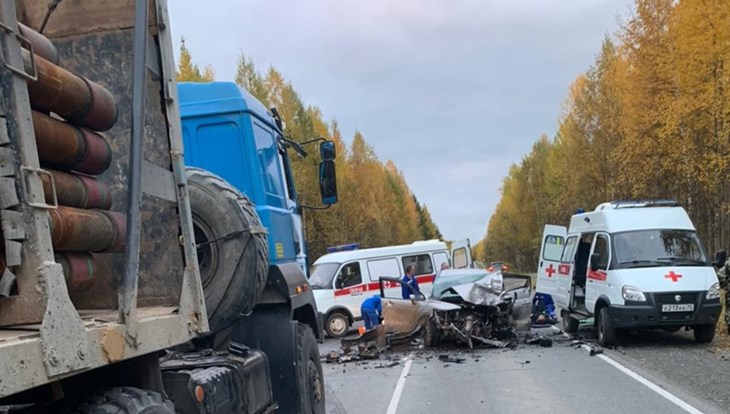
632	294
713	292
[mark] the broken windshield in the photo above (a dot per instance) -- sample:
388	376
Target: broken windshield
659	248
322	275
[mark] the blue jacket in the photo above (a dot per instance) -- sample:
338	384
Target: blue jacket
413	283
373	302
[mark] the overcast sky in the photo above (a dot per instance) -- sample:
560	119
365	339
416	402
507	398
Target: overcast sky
452	91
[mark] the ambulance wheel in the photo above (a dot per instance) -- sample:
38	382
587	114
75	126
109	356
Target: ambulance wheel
337	324
704	334
606	331
309	366
232	247
570	324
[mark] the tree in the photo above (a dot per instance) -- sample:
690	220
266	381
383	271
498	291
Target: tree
187	71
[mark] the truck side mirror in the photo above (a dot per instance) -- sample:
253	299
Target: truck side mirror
595	258
328	182
720	258
327	151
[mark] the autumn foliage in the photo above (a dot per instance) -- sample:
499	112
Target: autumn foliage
375	207
649	119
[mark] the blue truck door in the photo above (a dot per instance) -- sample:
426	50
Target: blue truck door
275	211
204	139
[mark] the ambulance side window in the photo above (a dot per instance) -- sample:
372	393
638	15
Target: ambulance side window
439	258
600	247
553	248
383	268
421	262
569	250
349	275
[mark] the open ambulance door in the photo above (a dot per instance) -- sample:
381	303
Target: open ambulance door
461	254
551	249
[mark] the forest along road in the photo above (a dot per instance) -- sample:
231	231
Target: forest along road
673	375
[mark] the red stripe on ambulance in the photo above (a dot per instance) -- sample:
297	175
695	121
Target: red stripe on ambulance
375	286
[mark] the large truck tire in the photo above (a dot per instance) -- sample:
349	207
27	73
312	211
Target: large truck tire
232	247
117	400
309	368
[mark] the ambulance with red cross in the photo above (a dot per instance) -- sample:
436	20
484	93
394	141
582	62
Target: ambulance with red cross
341	281
629	265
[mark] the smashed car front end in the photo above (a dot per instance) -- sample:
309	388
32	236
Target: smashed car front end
484	315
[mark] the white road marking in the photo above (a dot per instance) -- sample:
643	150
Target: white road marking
654	387
399	386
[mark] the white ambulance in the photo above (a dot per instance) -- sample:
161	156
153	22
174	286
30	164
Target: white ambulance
341	281
631	264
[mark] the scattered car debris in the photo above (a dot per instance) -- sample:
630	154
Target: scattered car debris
447	358
595	351
540	340
388	365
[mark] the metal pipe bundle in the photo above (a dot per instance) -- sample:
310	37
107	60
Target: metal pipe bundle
79	269
69	147
75	190
81	224
73	97
42	46
75	229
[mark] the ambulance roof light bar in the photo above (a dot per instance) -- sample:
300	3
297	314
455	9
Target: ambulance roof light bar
637	204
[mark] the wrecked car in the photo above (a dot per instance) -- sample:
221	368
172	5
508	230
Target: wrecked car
471	306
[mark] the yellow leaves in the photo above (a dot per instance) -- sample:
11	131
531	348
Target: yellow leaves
650	118
187	71
375	207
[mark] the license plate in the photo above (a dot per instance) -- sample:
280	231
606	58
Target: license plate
687	307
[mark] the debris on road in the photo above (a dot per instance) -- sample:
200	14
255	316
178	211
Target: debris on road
539	340
389	365
595	351
447	358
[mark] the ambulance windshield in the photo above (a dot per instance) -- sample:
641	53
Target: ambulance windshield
322	275
659	248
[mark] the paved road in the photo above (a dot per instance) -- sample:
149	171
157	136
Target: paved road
556	379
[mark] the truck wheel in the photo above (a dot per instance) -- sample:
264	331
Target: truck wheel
311	379
118	400
606	331
704	334
570	324
232	247
337	325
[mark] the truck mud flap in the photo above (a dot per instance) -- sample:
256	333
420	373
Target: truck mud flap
219	382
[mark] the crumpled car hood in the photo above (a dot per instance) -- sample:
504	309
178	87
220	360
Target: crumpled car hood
485	293
485	290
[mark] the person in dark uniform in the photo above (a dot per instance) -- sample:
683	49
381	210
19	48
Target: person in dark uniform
409	280
371	309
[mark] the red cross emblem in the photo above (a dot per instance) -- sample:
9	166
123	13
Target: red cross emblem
550	270
675	277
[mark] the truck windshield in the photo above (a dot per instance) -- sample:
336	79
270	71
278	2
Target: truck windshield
659	248
322	275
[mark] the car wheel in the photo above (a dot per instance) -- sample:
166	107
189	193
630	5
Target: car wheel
606	331
337	325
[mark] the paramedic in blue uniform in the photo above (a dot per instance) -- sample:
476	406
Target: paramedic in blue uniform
370	310
409	280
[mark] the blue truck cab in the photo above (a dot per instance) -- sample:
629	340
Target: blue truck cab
230	133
